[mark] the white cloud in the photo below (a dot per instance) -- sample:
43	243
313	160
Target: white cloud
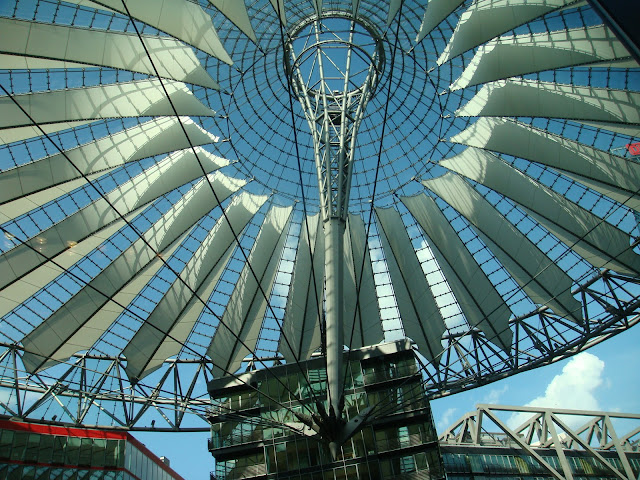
494	395
446	419
575	388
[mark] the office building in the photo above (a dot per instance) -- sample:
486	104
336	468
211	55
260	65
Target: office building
261	430
39	451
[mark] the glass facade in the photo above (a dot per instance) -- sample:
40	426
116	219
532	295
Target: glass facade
481	463
46	452
250	430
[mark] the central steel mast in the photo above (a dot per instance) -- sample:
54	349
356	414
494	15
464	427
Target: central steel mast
334	65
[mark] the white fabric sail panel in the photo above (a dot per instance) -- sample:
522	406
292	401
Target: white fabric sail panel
88	304
611	175
143	98
394	6
200	200
19	291
437	11
124	51
17	62
179	334
176	170
538	275
236	11
238	331
75	326
85	337
482	305
29	255
621	196
363	304
521	54
157	136
193	205
529	98
421	317
486	19
278	6
153	332
301	327
598	242
181	19
190	209
17	134
14	208
630	130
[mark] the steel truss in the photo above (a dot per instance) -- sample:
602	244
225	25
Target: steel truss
610	305
334	97
547	428
94	390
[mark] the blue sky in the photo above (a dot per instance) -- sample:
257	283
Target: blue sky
605	377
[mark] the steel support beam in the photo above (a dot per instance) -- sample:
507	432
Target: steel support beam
621	16
334	107
334	233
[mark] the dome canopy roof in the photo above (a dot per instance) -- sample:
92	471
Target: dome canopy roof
160	207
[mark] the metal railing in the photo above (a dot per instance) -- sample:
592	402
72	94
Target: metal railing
241	471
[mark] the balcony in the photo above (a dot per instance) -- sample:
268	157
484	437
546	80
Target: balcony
244	471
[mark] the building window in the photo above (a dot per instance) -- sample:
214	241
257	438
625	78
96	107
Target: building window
6	442
45	452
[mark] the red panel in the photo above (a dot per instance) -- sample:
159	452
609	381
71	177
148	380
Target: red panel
45	429
633	148
59	430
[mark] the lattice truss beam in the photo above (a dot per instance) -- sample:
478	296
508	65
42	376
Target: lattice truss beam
96	390
538	428
160	208
334	77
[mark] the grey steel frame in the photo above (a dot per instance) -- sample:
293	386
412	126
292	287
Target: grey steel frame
178	398
544	429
